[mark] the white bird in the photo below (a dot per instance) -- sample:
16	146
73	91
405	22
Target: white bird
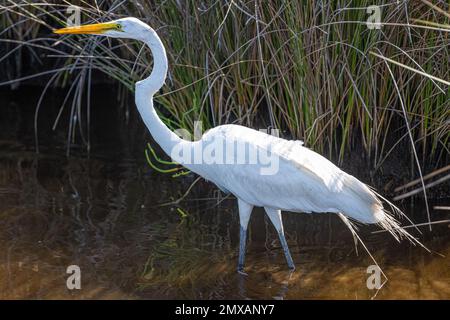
303	181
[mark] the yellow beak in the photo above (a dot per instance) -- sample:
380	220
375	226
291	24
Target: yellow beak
96	28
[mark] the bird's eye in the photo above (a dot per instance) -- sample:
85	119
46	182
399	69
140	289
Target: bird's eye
119	27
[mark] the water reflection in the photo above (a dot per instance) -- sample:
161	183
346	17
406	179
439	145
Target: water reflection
105	215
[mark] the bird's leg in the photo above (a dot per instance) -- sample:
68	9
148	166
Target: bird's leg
245	211
275	217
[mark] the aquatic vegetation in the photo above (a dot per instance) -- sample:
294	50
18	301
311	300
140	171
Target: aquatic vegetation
178	262
177	167
303	67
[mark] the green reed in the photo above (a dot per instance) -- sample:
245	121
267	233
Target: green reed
300	66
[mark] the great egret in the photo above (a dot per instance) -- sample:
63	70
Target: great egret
303	182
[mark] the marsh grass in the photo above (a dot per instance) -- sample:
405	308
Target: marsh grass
304	67
179	261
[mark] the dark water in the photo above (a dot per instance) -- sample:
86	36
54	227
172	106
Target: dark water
117	219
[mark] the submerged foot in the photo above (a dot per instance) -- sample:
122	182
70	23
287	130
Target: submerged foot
240	270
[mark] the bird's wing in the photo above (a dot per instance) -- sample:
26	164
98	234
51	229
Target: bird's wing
309	162
300	176
303	180
293	152
344	191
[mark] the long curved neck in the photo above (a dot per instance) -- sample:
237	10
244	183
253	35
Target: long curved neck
145	90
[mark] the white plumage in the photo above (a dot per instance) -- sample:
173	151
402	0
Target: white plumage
303	182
